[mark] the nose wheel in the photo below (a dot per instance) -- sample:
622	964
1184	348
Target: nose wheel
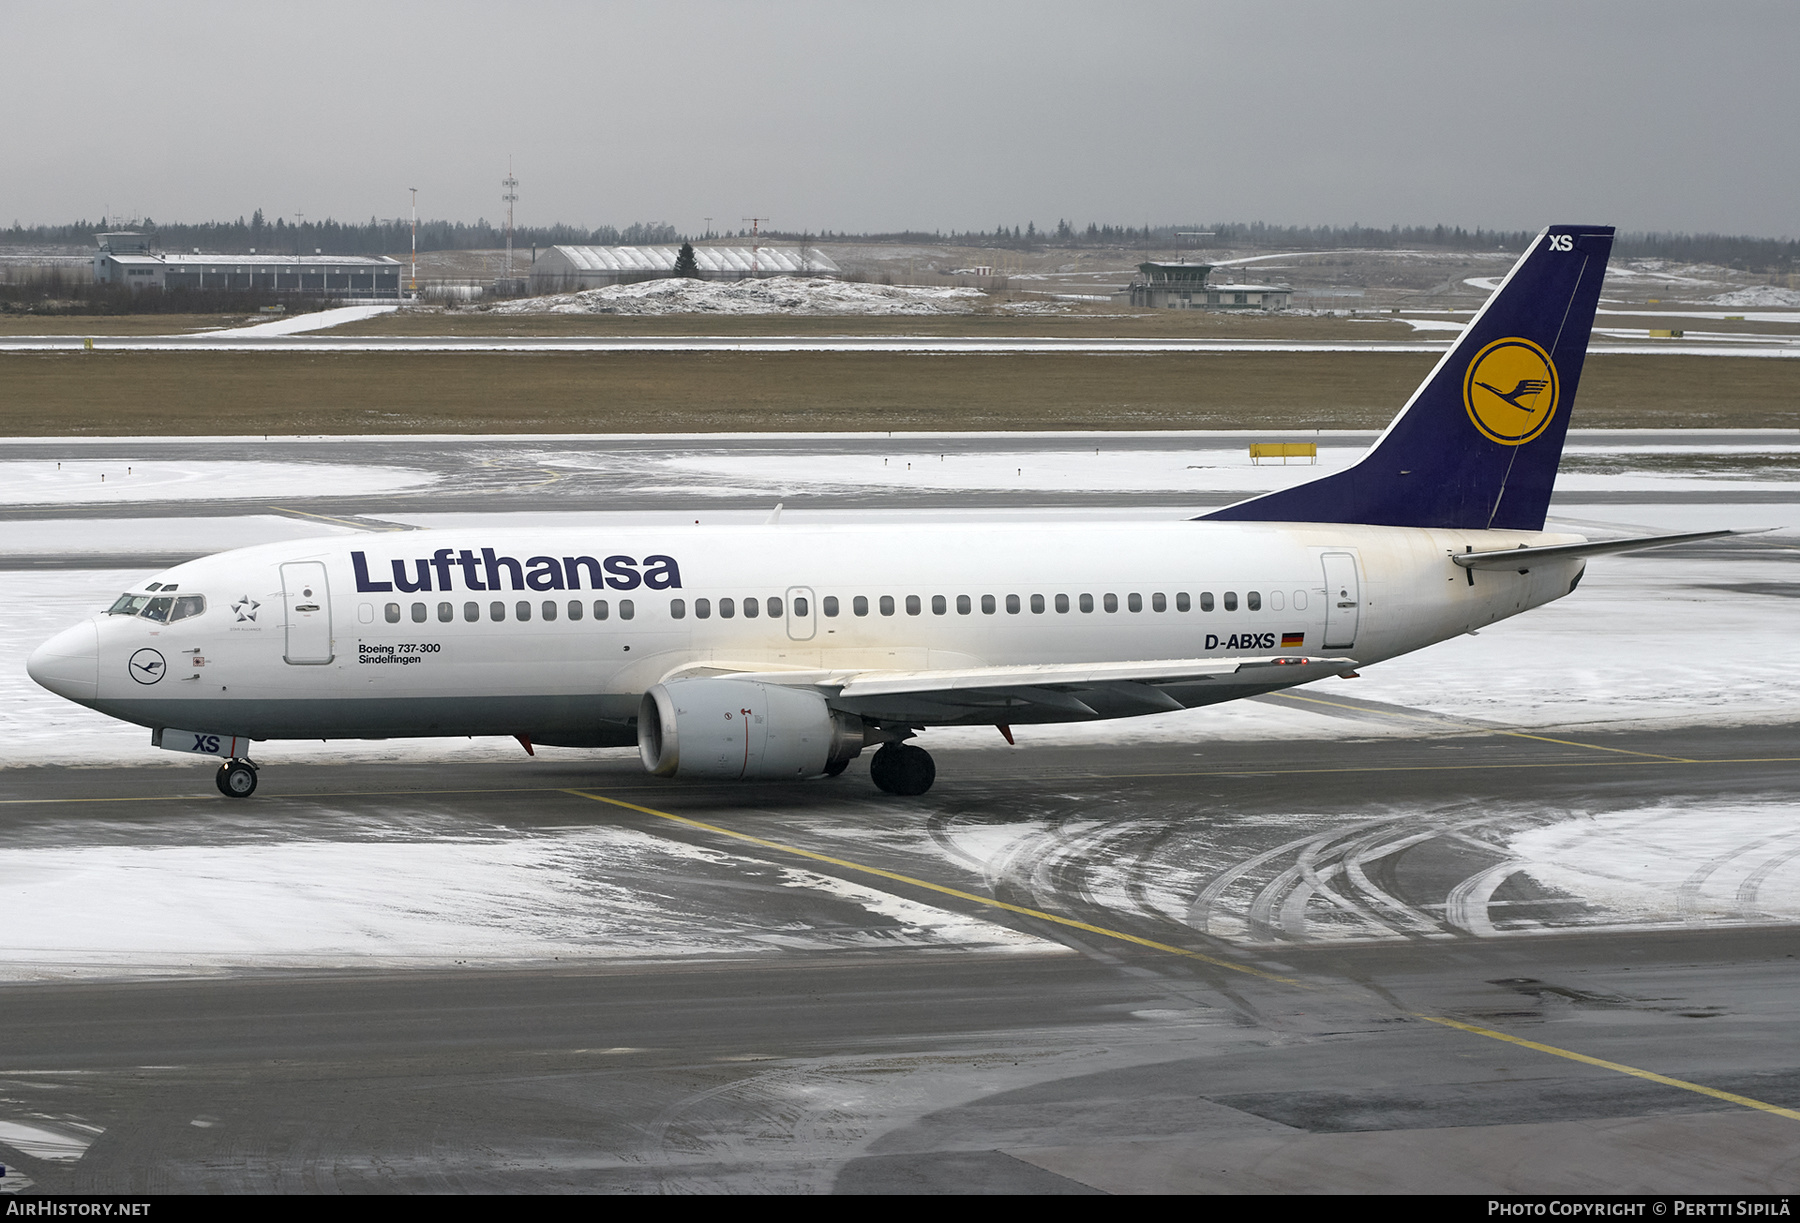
236	779
901	768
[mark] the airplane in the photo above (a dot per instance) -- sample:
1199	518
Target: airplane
784	651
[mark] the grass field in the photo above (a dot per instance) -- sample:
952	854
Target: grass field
160	393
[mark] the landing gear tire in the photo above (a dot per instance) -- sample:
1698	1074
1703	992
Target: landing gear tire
900	768
236	779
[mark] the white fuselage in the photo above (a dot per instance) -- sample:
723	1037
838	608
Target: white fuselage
296	642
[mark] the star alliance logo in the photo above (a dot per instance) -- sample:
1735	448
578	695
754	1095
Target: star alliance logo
245	607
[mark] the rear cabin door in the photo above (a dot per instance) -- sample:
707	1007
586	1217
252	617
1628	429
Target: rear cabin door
1343	600
307	600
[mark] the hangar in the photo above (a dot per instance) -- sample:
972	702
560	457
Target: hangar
127	258
567	268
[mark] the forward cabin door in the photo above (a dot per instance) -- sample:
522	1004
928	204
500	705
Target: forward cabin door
307	600
1343	600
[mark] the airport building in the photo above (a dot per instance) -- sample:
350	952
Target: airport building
568	268
1184	286
127	259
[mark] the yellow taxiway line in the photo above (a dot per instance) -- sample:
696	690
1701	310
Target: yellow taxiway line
1185	953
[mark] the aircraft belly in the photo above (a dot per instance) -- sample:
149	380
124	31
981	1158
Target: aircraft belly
596	720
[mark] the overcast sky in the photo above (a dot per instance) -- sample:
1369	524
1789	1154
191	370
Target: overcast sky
869	117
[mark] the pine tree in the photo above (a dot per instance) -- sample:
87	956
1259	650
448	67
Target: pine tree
685	263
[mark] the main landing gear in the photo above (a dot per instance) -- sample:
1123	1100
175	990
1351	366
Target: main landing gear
901	768
237	779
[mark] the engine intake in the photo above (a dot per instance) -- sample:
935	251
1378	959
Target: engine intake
741	730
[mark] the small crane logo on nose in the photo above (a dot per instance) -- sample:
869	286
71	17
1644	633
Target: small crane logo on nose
147	666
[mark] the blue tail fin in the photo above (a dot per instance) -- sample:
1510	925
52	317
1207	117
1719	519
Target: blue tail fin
1477	446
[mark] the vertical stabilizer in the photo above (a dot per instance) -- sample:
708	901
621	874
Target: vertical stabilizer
1477	445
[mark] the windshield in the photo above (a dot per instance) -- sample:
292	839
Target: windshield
128	605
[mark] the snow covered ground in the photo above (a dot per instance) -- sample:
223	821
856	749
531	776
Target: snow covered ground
773	295
317	320
90	481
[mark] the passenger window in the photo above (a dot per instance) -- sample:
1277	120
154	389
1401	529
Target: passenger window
187	605
773	607
627	609
601	610
550	609
1012	605
987	605
799	605
860	605
420	612
1206	601
1157	603
938	605
1275	600
1253	600
1231	600
574	609
703	609
365	613
1037	604
524	610
1299	600
677	610
496	611
913	606
392	611
1062	603
446	613
1134	602
1110	602
887	605
751	609
727	608
963	605
1087	603
1181	601
471	612
829	603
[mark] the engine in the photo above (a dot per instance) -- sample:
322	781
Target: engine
741	730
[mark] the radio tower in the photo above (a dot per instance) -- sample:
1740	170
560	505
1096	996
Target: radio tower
754	222
512	193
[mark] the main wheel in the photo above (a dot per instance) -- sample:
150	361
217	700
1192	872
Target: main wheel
237	779
901	768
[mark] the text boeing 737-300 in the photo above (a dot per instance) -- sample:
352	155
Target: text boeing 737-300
784	651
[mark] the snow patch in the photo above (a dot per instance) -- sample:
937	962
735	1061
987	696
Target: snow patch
771	295
1762	295
86	481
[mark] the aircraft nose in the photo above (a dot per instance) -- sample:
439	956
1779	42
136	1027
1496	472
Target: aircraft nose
69	663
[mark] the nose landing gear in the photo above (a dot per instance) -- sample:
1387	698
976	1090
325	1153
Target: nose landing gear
901	768
236	779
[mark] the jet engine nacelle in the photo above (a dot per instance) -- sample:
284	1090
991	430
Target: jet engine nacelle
740	729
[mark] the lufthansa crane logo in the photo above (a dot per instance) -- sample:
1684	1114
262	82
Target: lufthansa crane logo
146	666
1511	391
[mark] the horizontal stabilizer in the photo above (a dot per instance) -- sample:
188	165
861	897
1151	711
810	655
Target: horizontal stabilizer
1518	558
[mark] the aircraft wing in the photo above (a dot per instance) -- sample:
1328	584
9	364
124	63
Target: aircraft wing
1056	692
1520	558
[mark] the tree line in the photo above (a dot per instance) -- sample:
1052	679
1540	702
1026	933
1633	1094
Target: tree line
394	237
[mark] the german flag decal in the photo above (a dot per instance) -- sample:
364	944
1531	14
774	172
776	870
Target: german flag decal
1291	641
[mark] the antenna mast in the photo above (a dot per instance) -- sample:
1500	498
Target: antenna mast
511	184
754	222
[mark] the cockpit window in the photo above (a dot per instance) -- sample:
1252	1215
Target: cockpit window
158	610
128	605
187	605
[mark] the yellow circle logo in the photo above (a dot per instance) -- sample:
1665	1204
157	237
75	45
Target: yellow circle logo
1511	391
